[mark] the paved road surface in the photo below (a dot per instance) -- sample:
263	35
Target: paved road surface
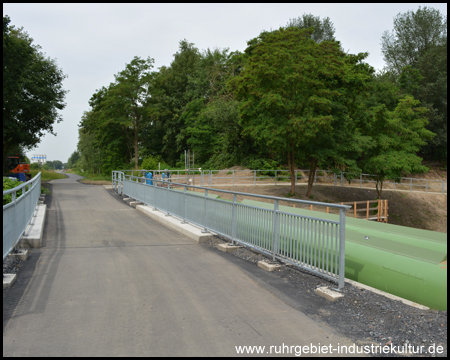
111	282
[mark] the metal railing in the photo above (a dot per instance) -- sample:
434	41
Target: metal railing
17	215
282	177
312	243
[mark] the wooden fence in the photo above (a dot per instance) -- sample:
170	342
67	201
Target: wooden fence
378	213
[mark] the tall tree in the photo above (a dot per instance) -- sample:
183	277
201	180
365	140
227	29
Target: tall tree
295	96
323	29
416	55
32	90
413	35
132	89
170	95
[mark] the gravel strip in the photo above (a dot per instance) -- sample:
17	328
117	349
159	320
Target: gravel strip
361	315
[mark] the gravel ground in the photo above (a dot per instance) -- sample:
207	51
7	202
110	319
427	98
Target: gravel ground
361	315
11	265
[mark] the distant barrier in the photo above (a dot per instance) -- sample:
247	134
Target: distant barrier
311	243
18	214
282	177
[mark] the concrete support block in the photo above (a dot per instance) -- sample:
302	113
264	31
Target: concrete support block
264	264
328	294
8	280
33	234
135	203
126	198
173	223
228	247
21	255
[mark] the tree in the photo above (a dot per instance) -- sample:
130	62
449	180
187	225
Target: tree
132	88
323	29
414	34
32	90
396	137
295	96
73	159
170	96
416	57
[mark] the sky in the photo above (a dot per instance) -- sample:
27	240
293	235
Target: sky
93	42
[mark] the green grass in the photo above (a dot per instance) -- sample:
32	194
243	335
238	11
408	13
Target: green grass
47	174
98	177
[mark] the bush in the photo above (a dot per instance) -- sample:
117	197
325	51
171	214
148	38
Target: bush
9	183
152	162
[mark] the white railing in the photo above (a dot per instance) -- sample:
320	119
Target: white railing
282	177
18	214
312	243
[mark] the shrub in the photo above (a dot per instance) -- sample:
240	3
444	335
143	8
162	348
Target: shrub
9	183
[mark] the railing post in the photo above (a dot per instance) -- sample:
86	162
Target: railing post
394	185
275	177
254	179
315	177
205	230
335	179
360	181
184	205
410	185
342	179
276	233
443	186
233	177
341	249
426	186
233	219
167	201
155	184
295	171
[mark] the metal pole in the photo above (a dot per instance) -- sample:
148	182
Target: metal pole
233	177
410	185
295	171
233	219
184	205
167	195
205	214
341	248
254	180
426	188
360	181
342	179
275	229
275	177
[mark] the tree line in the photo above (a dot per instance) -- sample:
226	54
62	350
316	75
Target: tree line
293	99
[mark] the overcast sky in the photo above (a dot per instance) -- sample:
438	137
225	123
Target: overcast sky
92	42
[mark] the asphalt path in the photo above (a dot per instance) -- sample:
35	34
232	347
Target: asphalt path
109	281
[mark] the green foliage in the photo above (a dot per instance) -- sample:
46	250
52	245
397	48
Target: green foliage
295	96
323	29
154	163
395	139
32	90
73	159
292	98
8	184
35	166
416	56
